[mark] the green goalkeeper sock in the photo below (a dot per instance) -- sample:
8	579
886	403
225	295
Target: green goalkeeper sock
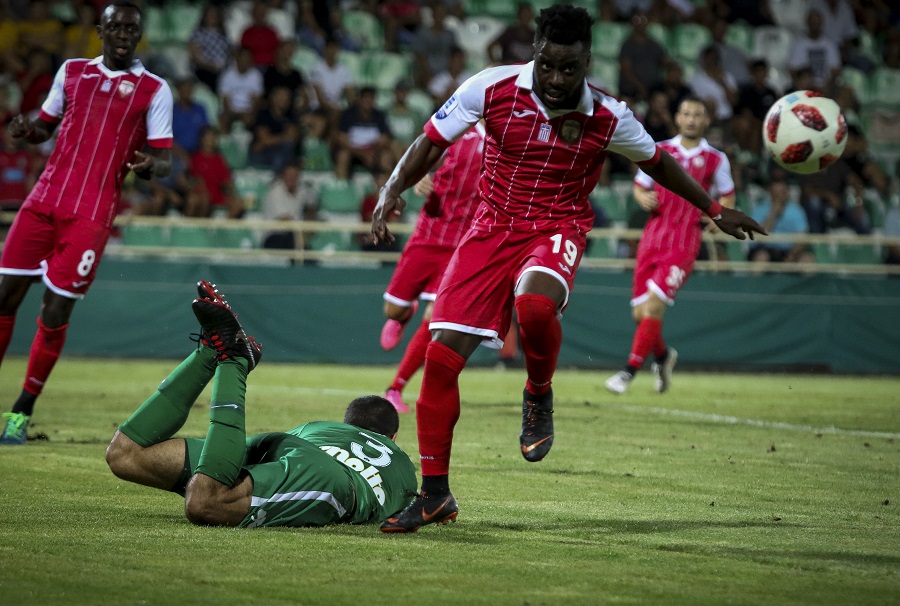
226	441
166	411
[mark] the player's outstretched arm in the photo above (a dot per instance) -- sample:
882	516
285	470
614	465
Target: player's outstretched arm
415	164
33	131
668	173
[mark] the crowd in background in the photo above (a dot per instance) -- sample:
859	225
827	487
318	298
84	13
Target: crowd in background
311	92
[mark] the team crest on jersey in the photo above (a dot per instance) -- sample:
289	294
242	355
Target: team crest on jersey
106	87
448	107
698	162
570	131
125	88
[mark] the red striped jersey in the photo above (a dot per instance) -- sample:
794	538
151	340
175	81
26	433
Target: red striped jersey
675	222
539	164
455	192
104	116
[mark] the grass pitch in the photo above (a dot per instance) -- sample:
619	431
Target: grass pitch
739	489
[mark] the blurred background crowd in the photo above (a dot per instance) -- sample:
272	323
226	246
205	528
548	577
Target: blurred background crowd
292	110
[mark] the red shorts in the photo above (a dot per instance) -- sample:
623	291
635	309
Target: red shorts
476	295
663	271
63	248
418	273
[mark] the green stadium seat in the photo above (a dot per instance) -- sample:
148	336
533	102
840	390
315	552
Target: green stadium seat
501	9
688	39
356	63
305	59
602	248
234	148
660	33
332	241
144	235
210	102
339	196
863	254
736	249
383	69
886	86
183	19
189	236
608	38
316	156
156	25
606	74
365	28
239	237
252	185
414	203
612	204
740	35
773	44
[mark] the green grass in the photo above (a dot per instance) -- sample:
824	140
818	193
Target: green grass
739	489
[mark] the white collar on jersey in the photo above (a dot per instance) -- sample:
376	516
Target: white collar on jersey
526	81
704	144
137	68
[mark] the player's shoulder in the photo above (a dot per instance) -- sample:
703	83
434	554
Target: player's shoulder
603	101
712	151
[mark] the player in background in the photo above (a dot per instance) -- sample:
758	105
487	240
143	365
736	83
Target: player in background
548	133
316	474
107	109
671	241
452	197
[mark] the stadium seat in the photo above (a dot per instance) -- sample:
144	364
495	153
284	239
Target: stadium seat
383	69
773	44
790	14
476	33
188	236
602	248
688	39
737	250
252	185
184	18
859	82
332	241
178	59
608	38
156	26
740	35
305	59
283	22
612	204
316	156
338	196
236	19
144	235
364	28
886	86
421	102
414	203
234	238
832	253
660	33
501	9
606	75
234	147
210	102
357	64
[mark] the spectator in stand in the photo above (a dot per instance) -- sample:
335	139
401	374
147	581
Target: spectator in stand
401	19
515	44
333	83
714	85
404	122
839	25
240	90
288	199
432	47
188	119
641	61
824	196
40	31
7	112
19	168
260	37
659	121
363	137
734	61
817	53
276	135
214	186
283	74
780	213
445	83
752	12
674	86
35	80
754	101
176	191
209	47
81	39
865	171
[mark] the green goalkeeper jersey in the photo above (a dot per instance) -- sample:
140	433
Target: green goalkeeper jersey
383	475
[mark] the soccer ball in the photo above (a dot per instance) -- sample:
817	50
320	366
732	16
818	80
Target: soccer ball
805	132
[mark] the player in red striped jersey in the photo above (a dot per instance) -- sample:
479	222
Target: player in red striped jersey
671	241
443	220
548	133
107	109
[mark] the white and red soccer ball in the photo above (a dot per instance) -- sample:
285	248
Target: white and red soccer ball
805	132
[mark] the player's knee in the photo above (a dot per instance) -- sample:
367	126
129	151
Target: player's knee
534	309
119	455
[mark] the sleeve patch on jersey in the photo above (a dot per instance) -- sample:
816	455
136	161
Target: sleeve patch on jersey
160	143
652	161
451	104
48	118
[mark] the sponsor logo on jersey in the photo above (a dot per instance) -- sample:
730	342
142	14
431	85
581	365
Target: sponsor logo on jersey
570	131
448	107
544	133
125	88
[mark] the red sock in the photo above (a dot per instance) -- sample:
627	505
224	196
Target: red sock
437	409
413	357
649	331
7	323
659	347
45	350
541	337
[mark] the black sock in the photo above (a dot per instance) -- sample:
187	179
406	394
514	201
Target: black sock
436	485
25	403
632	370
661	359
